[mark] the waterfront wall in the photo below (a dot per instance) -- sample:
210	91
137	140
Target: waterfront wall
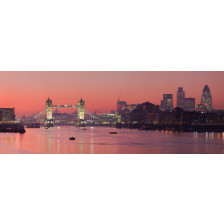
12	127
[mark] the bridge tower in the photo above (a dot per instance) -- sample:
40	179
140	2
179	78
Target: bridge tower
49	109
81	109
49	122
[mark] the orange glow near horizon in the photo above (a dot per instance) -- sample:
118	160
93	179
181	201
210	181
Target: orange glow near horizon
28	91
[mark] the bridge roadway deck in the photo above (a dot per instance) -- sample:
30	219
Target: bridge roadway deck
64	106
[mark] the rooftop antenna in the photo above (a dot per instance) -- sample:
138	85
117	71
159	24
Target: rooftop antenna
120	96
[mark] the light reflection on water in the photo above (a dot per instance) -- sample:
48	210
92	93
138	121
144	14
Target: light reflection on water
98	140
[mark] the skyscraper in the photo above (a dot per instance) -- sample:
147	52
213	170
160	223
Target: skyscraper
167	102
187	104
206	100
180	97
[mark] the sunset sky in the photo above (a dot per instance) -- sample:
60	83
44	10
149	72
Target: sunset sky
28	91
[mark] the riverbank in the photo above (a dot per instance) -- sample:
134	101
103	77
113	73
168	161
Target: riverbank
176	127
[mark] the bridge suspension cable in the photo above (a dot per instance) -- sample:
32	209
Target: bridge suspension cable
92	116
100	119
35	116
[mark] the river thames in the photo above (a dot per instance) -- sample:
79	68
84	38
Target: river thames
98	140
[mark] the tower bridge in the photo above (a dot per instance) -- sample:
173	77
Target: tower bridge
49	108
84	116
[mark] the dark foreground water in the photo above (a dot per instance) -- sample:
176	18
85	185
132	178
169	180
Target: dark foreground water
98	140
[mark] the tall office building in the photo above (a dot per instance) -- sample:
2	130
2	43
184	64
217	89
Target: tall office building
167	102
206	100
180	97
189	104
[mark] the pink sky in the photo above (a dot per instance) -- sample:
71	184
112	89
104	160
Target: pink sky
28	91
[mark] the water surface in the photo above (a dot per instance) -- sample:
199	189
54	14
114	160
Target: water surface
98	140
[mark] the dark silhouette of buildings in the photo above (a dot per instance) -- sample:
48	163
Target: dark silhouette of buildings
167	102
187	104
121	105
180	97
148	113
143	113
182	118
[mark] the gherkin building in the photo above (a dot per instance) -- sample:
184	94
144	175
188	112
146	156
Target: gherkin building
206	99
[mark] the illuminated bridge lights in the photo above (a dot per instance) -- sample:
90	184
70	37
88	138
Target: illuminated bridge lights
83	114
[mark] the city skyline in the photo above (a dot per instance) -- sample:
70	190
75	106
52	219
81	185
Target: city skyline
28	91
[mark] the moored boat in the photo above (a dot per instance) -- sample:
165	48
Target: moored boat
113	132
